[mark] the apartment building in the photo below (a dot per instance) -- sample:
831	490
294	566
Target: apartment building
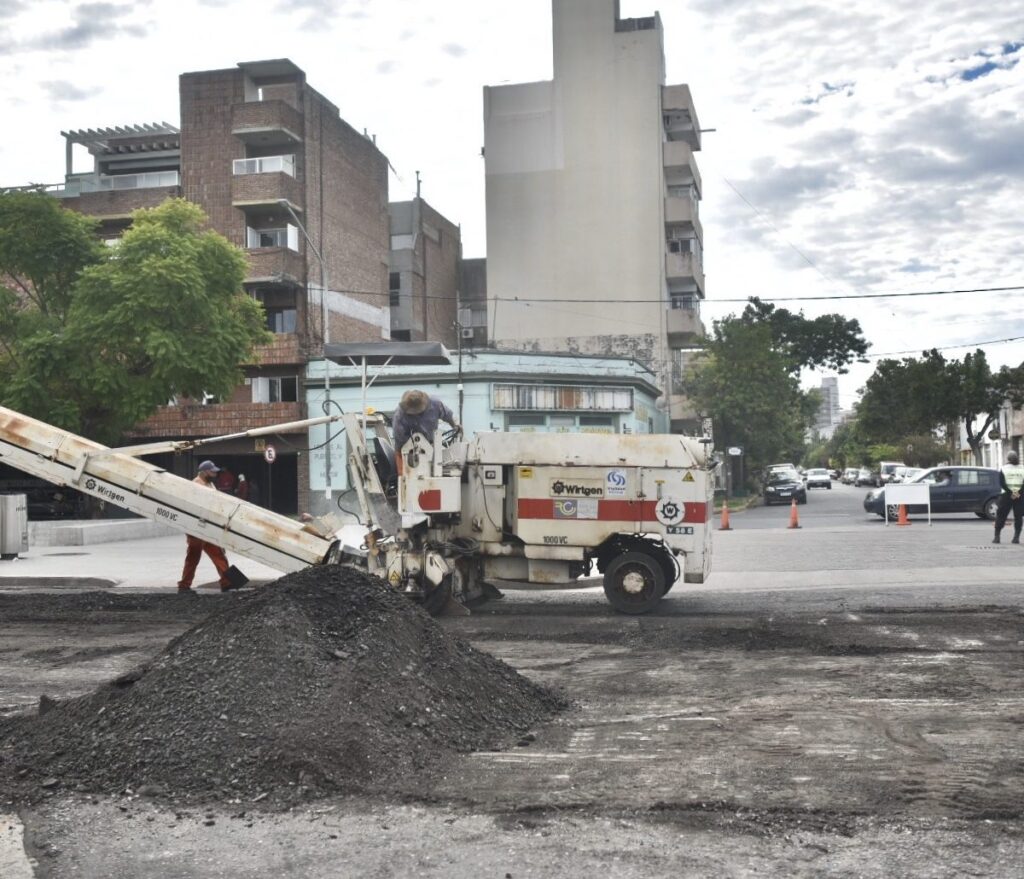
423	281
282	175
594	240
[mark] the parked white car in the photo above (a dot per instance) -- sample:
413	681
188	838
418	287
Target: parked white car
818	477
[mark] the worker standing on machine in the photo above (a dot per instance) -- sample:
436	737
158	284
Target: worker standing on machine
206	477
418	412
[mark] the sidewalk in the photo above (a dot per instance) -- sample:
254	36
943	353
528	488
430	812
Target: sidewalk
146	563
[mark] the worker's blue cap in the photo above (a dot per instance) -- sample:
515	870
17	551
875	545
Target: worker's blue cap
208	467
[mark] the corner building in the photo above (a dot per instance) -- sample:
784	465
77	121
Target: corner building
594	242
280	174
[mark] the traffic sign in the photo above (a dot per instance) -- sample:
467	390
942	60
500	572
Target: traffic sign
735	451
270	454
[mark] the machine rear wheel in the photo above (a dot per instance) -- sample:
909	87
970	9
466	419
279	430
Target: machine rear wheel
634	582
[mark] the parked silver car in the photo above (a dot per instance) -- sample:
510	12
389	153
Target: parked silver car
818	477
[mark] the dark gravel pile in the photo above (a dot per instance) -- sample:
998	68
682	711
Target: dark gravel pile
324	682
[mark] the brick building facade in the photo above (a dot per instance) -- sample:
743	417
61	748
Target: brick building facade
282	175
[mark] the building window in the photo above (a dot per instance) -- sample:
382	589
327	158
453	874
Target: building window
286	236
275	390
521	422
597	424
565	398
265	165
280	320
395	288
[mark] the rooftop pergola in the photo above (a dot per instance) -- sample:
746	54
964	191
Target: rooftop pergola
148	137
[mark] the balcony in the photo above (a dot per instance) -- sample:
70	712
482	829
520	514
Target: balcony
679	115
682	211
679	158
285	350
276	265
684	268
117	195
265	190
189	419
267	123
683	327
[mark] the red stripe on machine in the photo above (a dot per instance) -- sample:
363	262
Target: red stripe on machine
612	511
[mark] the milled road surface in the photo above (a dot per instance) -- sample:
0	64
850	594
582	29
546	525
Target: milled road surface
846	702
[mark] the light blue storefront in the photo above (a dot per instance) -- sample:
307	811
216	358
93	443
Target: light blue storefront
501	391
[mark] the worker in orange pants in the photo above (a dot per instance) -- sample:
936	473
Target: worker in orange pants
206	477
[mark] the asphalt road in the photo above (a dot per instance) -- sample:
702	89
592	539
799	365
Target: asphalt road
841	699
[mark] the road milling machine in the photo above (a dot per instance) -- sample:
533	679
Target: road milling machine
454	519
446	522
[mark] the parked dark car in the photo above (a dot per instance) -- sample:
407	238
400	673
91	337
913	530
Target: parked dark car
952	490
782	486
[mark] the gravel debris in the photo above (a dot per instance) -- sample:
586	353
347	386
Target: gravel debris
324	682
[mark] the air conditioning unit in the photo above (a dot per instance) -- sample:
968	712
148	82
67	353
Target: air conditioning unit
467	332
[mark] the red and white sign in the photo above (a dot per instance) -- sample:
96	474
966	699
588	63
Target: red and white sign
270	454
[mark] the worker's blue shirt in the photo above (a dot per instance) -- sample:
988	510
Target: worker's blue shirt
404	425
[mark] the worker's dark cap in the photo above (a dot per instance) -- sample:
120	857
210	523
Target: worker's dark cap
209	467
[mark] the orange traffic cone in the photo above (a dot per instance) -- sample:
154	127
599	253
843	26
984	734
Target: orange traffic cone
725	526
794	517
903	520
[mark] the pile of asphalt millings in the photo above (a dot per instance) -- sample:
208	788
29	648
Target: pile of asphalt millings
324	682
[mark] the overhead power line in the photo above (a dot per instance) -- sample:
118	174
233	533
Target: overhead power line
949	347
543	299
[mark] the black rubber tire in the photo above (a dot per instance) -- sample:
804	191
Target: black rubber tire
980	515
668	566
990	508
894	512
829	486
632	565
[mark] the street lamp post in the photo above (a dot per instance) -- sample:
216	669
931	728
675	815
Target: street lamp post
326	338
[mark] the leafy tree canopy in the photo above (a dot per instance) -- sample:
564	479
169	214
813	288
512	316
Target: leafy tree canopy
748	388
94	339
921	395
827	342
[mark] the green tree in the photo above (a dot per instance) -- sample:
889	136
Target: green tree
749	389
922	395
94	339
830	341
747	377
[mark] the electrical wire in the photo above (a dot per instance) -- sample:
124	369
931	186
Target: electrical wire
557	300
950	347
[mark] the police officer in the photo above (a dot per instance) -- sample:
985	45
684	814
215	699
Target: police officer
1011	480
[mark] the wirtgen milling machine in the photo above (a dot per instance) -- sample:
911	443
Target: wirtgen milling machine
445	522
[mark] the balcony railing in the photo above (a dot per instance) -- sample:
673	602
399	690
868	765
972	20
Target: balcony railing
116	183
683	326
265	165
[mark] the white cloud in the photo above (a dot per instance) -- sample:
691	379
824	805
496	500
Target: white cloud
878	142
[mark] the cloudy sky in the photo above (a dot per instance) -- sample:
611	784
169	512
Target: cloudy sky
863	148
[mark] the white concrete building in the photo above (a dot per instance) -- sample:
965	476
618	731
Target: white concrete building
594	243
828	412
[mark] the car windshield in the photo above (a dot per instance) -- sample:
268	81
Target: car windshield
780	476
817	472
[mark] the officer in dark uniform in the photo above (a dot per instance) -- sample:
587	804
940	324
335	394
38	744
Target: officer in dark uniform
1011	480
